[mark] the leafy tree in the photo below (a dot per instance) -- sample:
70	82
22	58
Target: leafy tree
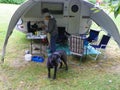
115	7
12	1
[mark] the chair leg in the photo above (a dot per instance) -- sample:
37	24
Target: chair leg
80	60
105	55
96	56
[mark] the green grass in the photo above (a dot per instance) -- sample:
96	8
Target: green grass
17	74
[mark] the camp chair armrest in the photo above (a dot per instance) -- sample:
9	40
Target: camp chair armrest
102	45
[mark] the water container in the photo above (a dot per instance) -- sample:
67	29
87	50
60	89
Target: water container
28	57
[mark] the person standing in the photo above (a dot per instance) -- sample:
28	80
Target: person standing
52	30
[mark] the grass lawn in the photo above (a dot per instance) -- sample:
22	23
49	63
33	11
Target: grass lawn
17	74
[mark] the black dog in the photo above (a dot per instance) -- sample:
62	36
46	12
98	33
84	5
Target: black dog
54	60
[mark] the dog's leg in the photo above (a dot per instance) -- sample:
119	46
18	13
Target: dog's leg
55	71
66	65
65	62
61	64
49	72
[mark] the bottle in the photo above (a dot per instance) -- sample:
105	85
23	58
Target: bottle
28	56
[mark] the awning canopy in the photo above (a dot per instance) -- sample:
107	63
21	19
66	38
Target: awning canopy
101	18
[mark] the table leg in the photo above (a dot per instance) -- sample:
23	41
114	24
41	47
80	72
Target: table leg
31	46
40	48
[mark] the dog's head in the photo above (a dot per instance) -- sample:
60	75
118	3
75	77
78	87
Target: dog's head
54	59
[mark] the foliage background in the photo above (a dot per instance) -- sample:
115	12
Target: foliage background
21	1
12	1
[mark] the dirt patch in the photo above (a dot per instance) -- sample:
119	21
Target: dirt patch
115	69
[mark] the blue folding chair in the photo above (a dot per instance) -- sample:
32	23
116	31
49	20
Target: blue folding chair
103	43
93	35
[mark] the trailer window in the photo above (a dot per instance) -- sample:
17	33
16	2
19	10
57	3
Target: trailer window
54	8
74	8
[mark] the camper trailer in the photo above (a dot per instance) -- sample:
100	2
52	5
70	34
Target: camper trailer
75	16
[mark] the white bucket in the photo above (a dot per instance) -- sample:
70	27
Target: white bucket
28	57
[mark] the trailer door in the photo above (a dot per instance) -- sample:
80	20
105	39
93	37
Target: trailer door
74	17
